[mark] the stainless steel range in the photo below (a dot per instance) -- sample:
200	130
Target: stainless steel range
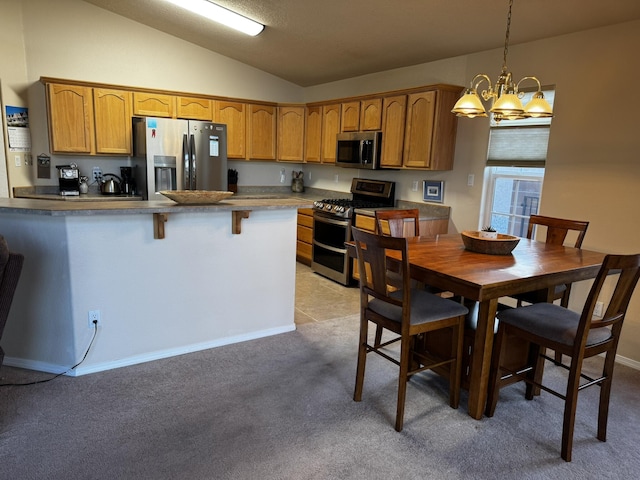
332	219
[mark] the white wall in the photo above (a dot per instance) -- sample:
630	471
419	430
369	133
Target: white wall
593	170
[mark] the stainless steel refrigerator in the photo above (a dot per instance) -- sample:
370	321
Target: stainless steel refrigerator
180	154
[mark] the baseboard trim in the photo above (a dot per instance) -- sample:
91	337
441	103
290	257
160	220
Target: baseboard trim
147	357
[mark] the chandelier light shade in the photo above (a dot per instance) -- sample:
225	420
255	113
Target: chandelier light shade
505	95
221	15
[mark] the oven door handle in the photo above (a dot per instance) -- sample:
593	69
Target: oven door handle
333	221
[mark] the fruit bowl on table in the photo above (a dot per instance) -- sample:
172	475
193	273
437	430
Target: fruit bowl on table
502	245
196	197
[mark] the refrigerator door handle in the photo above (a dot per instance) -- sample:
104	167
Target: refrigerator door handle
194	172
185	163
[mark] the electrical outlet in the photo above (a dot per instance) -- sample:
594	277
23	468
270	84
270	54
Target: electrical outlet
97	174
414	187
283	175
94	316
598	310
470	179
336	178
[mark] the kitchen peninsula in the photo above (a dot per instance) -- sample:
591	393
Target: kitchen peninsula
167	279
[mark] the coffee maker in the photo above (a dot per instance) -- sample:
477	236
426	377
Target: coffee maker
128	182
69	179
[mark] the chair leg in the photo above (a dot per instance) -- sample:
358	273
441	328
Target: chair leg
405	357
536	360
605	393
455	370
570	405
362	358
378	339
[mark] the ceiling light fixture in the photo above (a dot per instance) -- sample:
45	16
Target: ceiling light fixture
221	15
505	95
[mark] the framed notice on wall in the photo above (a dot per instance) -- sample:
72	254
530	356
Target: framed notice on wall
433	191
18	129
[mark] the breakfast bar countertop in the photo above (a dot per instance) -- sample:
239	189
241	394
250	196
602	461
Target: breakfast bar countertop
127	207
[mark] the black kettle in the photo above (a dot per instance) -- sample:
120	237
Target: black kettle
110	186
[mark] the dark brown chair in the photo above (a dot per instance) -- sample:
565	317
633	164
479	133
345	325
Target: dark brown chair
398	223
10	269
406	313
579	336
556	234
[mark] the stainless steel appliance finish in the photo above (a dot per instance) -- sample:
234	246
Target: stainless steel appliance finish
181	154
69	179
359	150
332	220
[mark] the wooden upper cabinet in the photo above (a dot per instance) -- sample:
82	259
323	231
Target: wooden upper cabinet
419	129
393	125
193	108
291	133
262	132
371	114
112	113
350	116
313	135
430	130
330	129
154	104
70	111
234	115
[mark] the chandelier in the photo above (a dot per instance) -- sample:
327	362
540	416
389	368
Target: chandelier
504	95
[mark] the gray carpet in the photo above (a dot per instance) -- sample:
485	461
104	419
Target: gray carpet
281	408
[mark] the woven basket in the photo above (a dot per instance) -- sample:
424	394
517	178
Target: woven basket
503	245
196	197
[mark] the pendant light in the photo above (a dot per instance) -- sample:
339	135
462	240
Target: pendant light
504	95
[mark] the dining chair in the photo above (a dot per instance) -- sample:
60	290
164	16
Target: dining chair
557	230
10	269
579	336
407	313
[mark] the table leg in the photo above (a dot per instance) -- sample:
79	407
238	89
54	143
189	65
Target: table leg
481	360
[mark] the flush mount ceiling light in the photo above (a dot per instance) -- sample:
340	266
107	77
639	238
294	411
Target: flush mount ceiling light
505	95
221	15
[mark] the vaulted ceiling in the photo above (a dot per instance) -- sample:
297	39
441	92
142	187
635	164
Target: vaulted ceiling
310	42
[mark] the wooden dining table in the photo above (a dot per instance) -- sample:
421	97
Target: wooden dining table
444	263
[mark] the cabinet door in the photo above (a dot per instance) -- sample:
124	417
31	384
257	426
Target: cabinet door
393	120
70	109
350	116
234	115
371	114
262	132
154	104
313	135
291	134
330	129
194	108
419	129
112	110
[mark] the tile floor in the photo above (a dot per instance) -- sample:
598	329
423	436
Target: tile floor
319	299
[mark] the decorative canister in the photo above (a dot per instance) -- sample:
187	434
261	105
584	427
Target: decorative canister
297	182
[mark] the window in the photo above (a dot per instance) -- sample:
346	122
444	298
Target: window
515	171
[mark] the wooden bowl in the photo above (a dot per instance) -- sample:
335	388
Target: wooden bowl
196	197
503	245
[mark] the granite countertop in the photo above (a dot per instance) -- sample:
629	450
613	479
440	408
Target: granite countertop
127	207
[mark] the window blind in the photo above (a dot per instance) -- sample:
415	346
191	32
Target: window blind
519	146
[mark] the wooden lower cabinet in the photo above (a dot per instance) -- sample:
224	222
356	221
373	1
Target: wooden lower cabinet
305	236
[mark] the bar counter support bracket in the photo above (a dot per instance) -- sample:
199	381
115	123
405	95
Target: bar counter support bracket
159	219
236	220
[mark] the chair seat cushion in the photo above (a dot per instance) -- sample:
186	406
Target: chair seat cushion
551	321
425	307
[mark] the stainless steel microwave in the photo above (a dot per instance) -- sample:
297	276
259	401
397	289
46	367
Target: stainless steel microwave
359	150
